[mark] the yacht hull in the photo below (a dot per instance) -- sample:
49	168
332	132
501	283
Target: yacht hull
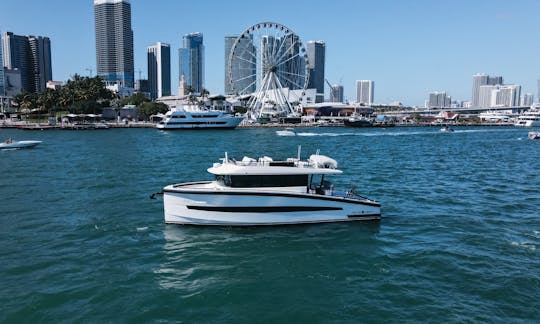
206	123
234	208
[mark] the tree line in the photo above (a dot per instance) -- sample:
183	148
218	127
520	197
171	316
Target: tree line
83	95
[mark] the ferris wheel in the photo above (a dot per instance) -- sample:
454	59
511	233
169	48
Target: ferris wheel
269	62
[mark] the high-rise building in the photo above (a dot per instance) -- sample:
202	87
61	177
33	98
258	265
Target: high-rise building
439	99
526	100
316	58
40	49
499	96
159	70
336	93
244	74
365	91
191	59
538	91
2	78
31	56
481	79
495	80
114	42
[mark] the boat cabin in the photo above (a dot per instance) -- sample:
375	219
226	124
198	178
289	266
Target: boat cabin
291	174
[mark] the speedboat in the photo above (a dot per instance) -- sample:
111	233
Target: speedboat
286	132
530	118
187	116
10	144
447	129
534	135
262	191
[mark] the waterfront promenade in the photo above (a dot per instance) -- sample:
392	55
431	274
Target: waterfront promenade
27	125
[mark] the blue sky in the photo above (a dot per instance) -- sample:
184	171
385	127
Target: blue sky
409	48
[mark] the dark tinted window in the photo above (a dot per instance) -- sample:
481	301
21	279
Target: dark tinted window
250	181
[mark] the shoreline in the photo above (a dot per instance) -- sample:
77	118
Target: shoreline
91	126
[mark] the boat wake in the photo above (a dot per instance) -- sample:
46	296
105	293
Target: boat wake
391	133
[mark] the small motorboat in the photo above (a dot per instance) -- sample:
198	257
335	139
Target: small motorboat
534	135
11	144
447	129
286	132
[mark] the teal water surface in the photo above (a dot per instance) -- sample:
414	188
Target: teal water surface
459	240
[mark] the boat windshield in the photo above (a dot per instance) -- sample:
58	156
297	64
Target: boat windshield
256	181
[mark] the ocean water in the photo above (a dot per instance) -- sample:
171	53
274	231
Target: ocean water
459	240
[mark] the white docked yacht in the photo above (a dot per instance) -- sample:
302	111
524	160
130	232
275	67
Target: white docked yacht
266	192
530	118
193	117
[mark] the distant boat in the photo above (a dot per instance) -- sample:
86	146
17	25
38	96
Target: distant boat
530	118
10	144
188	116
534	135
447	129
286	132
35	127
358	121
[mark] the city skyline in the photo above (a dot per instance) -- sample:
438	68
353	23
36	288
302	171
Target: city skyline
406	59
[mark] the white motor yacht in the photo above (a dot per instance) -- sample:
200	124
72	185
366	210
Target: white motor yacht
530	118
266	192
193	117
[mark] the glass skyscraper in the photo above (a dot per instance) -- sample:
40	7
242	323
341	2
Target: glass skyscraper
159	70
31	55
191	61
316	57
114	42
244	74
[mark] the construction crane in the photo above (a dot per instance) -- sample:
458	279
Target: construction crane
333	93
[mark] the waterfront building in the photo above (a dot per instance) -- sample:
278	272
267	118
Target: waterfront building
159	70
481	79
31	56
439	99
526	100
114	42
316	59
365	91
244	74
191	61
